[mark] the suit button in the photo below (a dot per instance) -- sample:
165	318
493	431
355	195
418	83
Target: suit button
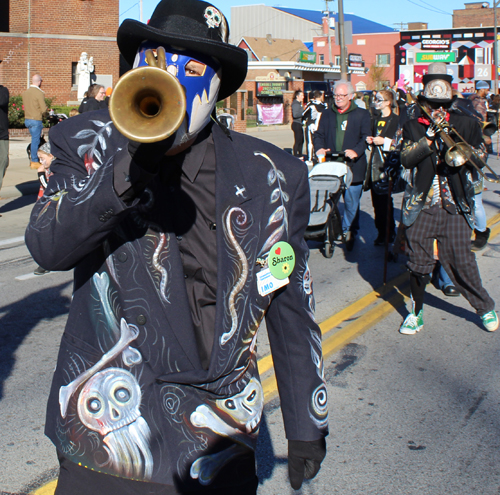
185	275
141	320
102	218
179	238
122	257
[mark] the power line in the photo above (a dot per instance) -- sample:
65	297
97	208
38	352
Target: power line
135	4
430	10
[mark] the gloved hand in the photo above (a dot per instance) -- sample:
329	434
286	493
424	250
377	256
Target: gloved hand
304	460
431	132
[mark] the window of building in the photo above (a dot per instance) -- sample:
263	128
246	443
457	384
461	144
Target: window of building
337	60
479	55
361	42
410	57
383	59
74	74
321	59
4	16
250	98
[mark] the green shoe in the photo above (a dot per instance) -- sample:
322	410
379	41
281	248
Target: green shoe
413	323
490	321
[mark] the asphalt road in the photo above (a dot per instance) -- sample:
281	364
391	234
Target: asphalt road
408	414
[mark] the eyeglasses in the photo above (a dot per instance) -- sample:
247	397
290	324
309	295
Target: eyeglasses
339	96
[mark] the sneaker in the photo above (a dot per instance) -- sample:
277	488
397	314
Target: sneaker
490	321
413	323
41	271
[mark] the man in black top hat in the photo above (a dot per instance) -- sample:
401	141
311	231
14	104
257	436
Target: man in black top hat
179	249
437	204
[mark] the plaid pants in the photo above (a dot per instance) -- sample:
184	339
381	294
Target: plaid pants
452	233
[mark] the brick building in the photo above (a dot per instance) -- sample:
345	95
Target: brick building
47	37
475	14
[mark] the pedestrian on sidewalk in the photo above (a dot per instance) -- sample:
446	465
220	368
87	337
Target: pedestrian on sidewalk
94	99
34	110
4	132
298	131
438	202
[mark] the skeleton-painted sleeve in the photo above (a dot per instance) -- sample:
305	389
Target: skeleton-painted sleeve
79	206
295	337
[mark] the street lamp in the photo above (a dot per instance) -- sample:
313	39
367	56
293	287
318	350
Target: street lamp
495	46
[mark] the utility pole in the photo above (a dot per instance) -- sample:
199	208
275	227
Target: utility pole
140	10
327	12
495	46
341	32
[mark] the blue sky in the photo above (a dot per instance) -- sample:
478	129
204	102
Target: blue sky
389	12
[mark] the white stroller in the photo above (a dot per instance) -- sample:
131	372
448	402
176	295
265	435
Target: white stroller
327	182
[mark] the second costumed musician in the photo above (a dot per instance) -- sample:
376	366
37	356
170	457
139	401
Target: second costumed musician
438	202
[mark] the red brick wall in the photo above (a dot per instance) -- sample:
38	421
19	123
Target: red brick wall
53	57
77	17
473	16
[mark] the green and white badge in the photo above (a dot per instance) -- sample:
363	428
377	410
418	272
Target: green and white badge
281	260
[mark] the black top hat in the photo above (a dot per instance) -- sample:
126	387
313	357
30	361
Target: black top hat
193	25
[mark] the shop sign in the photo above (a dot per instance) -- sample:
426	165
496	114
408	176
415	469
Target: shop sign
270	88
307	57
436	44
356	60
436	57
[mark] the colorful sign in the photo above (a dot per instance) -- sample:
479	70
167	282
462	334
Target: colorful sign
270	88
436	44
446	57
483	72
307	57
270	114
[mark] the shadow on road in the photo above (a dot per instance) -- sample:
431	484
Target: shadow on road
19	319
17	203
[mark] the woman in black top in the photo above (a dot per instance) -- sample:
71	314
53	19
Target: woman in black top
298	132
384	128
94	100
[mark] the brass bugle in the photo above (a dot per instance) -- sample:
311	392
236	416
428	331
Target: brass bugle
147	104
458	153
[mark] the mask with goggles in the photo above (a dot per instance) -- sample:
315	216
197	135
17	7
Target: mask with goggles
199	76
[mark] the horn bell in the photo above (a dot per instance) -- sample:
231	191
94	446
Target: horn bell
147	104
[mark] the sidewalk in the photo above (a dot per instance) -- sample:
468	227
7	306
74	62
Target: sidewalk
20	179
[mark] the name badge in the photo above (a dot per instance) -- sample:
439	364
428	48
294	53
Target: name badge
267	283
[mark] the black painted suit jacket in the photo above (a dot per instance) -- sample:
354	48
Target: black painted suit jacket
129	395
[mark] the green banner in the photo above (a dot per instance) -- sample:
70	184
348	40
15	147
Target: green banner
307	57
436	57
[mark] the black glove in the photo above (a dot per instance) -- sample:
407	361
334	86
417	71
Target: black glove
304	460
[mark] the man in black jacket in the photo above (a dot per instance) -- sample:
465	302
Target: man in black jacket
180	248
4	131
345	127
437	205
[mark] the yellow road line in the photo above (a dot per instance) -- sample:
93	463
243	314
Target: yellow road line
47	489
347	334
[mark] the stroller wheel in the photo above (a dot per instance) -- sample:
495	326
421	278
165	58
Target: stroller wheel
329	238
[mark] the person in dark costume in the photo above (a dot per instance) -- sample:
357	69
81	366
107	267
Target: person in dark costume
180	248
438	202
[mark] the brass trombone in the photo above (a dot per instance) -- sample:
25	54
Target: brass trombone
147	104
458	153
